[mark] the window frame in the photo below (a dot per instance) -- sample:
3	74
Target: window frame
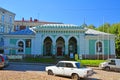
99	47
70	65
22	47
28	43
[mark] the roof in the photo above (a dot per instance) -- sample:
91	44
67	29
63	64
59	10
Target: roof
20	22
58	26
69	61
6	10
27	31
95	32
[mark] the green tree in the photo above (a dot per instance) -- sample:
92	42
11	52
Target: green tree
91	26
113	29
104	28
117	43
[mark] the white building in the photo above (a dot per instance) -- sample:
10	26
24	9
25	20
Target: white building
6	25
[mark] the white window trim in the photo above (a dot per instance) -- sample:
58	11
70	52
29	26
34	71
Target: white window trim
102	47
23	47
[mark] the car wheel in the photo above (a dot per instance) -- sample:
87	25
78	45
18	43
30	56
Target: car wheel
107	68
75	77
50	72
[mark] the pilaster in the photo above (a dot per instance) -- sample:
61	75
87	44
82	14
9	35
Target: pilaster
66	47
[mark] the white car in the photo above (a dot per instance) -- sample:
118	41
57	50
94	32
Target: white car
110	64
71	69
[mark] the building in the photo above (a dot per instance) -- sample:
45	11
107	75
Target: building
23	24
61	40
6	25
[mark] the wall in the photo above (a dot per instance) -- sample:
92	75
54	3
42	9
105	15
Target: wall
92	46
14	42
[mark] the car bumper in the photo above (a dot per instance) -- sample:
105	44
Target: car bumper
1	65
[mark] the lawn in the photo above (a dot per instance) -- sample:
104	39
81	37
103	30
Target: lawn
55	60
40	60
91	62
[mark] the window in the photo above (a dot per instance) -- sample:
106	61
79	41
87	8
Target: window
1	40
9	28
77	65
28	43
10	21
69	65
2	18
21	45
112	62
2	28
17	28
60	64
99	47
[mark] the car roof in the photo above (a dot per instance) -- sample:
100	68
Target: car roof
69	61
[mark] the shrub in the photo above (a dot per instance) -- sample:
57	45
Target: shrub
91	62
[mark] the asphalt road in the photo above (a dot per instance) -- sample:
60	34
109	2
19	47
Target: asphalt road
35	71
26	67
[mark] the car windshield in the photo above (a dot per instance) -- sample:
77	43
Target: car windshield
78	65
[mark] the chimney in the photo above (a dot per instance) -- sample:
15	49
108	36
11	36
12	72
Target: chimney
35	20
30	19
23	19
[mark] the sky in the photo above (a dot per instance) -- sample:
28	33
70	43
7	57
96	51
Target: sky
96	12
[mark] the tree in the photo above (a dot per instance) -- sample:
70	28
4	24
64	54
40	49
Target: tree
113	29
117	45
91	26
104	28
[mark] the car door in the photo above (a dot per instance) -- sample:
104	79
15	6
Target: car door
59	69
112	64
69	68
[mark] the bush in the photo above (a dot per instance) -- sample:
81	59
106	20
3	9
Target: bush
39	59
91	62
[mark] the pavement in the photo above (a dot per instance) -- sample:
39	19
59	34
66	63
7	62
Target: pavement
28	63
23	66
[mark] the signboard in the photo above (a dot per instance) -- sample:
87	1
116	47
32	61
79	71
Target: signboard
71	55
80	56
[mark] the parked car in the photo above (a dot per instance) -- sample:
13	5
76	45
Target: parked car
4	62
110	64
71	69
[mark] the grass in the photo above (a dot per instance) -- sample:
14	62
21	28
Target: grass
40	60
54	60
91	62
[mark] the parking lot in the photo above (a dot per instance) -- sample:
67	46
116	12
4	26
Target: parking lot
16	71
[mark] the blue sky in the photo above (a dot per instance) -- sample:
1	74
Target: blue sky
94	12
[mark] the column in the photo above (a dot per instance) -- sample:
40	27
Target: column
36	45
81	43
6	43
54	47
66	47
112	47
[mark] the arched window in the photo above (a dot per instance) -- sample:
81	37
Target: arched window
99	47
21	45
2	40
48	46
72	46
60	45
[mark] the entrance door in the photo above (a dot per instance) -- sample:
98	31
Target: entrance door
59	51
